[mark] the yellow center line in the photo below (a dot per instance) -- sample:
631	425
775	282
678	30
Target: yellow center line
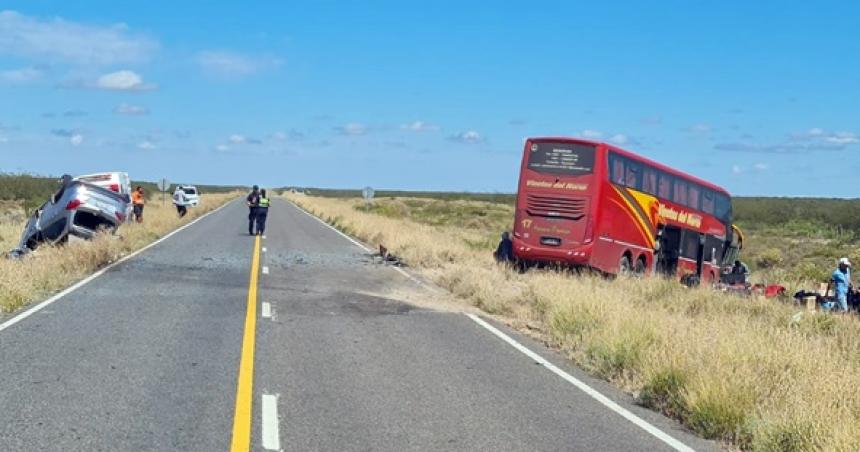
244	389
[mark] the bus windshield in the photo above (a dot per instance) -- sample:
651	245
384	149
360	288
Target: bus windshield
568	159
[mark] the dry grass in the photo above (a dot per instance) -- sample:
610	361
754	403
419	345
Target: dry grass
747	372
50	269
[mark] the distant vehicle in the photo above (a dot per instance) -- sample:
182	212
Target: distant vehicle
582	203
79	209
116	181
192	195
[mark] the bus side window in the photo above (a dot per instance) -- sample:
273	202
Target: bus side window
690	244
616	165
693	197
633	175
664	186
708	201
649	180
680	196
723	207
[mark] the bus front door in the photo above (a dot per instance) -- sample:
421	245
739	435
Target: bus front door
669	239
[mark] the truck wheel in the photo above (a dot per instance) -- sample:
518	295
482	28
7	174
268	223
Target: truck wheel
624	266
639	269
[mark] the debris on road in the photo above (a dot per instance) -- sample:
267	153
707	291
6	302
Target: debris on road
387	258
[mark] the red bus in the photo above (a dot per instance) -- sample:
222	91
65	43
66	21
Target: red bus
582	203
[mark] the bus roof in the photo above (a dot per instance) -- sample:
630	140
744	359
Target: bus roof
637	157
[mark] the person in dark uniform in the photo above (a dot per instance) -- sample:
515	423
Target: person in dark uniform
262	212
505	251
253	200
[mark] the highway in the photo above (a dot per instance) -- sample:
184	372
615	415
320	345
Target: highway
213	340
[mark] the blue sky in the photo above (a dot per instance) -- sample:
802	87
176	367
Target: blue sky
759	97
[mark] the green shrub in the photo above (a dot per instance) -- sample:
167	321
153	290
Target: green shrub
786	437
664	391
769	258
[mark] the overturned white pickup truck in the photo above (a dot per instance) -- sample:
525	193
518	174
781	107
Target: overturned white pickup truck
79	209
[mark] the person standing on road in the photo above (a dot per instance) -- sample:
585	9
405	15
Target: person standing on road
253	200
841	283
262	212
179	201
137	200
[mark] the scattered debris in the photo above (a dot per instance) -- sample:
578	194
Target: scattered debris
387	258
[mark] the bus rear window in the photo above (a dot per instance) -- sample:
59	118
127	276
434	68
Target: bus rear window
567	159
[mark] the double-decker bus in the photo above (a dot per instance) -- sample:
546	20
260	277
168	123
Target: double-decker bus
582	203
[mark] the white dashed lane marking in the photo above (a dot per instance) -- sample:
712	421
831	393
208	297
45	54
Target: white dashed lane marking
271	436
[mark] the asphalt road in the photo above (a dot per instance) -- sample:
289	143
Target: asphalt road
148	357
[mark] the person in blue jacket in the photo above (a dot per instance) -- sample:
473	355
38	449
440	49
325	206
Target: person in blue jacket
842	283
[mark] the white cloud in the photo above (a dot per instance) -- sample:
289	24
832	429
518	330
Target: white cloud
592	134
619	138
814	139
756	167
23	75
468	137
57	40
3	139
352	129
237	138
146	145
420	126
699	128
843	138
222	148
293	135
234	65
124	80
130	110
65	133
76	139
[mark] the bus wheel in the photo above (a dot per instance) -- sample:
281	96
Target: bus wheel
624	266
639	269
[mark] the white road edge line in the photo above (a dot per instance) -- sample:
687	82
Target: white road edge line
267	310
271	436
23	315
359	244
594	394
639	422
265	270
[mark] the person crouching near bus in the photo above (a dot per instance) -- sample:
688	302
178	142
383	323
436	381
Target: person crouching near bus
137	200
842	283
262	212
505	251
